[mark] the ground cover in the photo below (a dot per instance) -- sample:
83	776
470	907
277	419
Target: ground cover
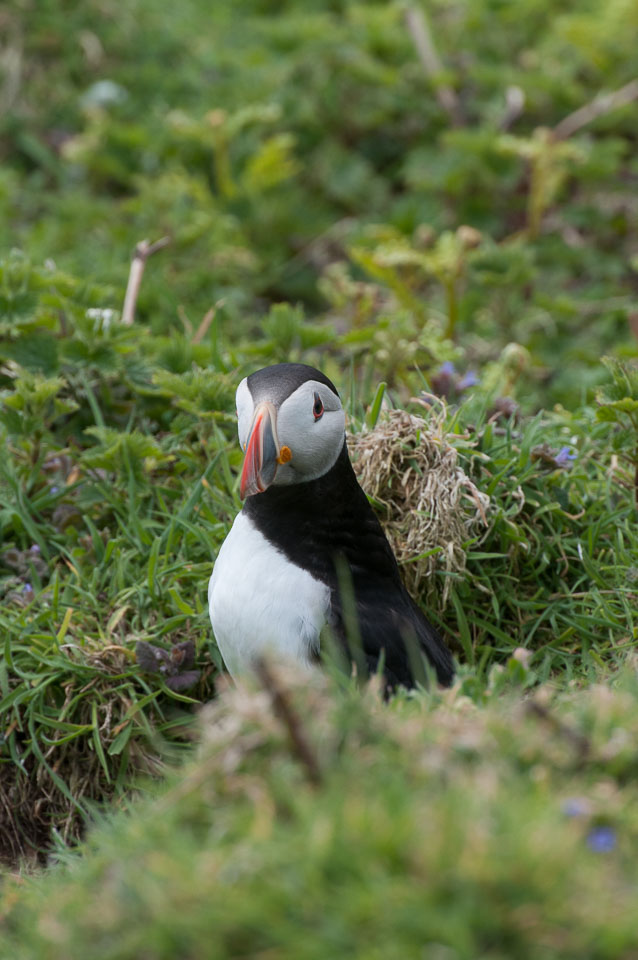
457	250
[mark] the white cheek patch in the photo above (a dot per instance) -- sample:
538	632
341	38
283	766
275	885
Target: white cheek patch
315	443
245	411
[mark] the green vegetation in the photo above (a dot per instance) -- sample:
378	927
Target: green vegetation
423	232
438	828
296	156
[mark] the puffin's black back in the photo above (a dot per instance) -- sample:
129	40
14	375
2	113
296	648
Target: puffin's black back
317	522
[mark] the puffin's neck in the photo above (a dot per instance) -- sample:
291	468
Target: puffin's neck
315	522
290	502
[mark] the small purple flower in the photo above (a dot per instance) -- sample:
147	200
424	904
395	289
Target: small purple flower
27	588
469	379
447	368
564	456
601	839
34	549
575	807
54	490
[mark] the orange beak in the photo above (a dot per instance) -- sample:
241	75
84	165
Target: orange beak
263	453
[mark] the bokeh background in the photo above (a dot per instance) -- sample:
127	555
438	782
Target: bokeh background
326	154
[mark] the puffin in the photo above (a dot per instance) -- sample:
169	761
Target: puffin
306	563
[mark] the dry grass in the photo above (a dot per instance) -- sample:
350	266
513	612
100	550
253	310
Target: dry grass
56	786
429	506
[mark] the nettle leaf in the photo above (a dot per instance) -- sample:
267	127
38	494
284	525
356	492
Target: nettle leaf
33	392
11	420
273	163
202	392
626	405
607	414
122	452
37	352
624	381
34	403
283	326
618	400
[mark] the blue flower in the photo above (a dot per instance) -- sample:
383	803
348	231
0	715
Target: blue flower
448	368
575	807
564	456
469	379
27	588
54	490
601	839
34	549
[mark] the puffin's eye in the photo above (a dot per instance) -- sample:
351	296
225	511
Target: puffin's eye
317	410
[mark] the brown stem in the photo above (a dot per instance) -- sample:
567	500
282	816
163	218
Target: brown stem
579	741
290	719
423	40
208	318
143	251
601	104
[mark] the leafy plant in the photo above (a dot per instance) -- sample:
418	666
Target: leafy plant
618	403
33	406
394	240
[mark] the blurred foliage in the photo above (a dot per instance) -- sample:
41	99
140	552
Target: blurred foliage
323	205
282	149
432	828
618	404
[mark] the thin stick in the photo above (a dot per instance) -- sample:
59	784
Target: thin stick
11	68
286	713
208	318
421	34
188	326
143	251
601	104
578	740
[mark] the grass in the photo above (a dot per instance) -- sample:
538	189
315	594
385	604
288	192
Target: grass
120	485
111	534
270	191
416	259
500	830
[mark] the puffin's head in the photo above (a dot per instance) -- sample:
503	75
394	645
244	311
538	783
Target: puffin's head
291	426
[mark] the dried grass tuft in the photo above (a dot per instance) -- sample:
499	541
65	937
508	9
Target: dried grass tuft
32	803
429	506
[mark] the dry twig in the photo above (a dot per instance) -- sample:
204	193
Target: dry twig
207	319
424	43
602	104
143	251
11	68
580	743
287	714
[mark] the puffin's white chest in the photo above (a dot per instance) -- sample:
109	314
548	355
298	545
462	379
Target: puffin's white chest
259	601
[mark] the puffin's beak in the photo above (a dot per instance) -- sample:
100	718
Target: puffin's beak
263	453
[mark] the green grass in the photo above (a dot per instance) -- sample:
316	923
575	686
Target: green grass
437	825
270	191
381	242
109	535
